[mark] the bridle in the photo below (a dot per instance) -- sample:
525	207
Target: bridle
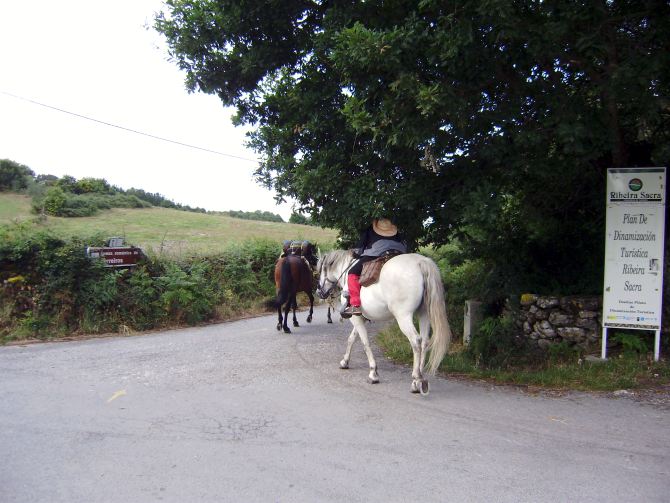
324	294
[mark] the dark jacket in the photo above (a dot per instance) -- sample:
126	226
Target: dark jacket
372	244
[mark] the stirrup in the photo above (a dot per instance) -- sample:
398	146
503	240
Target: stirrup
350	311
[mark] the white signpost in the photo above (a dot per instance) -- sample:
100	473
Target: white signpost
633	291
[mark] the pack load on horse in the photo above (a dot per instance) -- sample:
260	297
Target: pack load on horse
408	284
293	274
301	249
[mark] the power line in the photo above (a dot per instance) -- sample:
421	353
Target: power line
127	129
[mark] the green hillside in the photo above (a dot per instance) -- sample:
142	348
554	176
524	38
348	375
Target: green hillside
163	229
14	207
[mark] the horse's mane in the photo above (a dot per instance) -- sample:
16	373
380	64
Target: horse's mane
339	254
334	257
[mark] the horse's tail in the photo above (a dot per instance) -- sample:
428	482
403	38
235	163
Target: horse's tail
284	292
433	299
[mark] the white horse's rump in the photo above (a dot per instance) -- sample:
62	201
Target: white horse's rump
408	284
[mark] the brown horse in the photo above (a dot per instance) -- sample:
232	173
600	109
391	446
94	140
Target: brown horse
292	275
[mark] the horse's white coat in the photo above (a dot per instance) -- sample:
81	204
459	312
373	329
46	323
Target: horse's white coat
408	284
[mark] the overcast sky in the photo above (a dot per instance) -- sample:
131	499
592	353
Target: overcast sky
98	59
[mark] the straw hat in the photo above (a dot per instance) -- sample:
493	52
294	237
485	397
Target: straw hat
384	227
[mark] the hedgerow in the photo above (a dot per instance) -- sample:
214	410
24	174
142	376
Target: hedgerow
48	286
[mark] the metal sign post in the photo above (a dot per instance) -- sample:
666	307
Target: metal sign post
633	290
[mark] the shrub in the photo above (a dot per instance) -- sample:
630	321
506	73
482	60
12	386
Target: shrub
56	202
631	343
138	300
495	344
185	293
463	280
49	286
562	352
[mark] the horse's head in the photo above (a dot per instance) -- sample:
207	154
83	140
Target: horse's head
331	268
324	287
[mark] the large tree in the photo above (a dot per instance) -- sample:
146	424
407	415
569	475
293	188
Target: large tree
14	176
491	122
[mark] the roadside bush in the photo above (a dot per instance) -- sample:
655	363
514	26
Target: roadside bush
563	352
249	267
186	295
495	344
463	280
631	342
48	287
138	300
59	203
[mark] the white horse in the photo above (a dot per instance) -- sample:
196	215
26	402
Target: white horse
408	284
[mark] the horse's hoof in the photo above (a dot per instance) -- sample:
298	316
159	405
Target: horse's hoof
287	330
309	319
278	326
415	387
296	324
373	380
329	320
344	365
423	387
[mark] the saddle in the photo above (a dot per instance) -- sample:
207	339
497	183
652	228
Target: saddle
372	269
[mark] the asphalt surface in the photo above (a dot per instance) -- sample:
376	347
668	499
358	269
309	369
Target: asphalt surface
238	412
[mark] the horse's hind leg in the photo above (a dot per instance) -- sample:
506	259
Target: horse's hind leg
406	324
424	333
280	321
287	308
294	305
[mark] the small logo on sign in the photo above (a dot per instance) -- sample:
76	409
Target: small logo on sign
635	184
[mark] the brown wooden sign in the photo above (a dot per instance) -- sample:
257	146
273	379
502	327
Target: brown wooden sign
122	256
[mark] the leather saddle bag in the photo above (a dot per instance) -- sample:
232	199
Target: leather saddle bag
372	269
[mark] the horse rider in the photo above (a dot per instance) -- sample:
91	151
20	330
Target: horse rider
381	237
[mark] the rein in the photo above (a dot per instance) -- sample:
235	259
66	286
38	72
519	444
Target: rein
345	270
337	281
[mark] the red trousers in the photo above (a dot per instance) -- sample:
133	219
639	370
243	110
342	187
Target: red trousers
354	290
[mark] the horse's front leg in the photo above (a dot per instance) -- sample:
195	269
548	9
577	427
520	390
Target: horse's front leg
331	306
359	326
311	306
344	364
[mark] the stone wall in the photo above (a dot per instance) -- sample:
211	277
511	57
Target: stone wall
551	320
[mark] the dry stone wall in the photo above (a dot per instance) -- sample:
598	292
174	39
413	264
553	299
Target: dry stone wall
551	320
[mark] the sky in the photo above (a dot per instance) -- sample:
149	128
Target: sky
104	61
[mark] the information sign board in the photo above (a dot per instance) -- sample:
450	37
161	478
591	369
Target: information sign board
124	256
634	247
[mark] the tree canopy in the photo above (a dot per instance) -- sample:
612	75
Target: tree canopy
487	122
14	176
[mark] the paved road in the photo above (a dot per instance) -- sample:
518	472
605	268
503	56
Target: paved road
238	412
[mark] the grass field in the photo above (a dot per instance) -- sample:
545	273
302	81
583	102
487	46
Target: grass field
165	230
14	207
